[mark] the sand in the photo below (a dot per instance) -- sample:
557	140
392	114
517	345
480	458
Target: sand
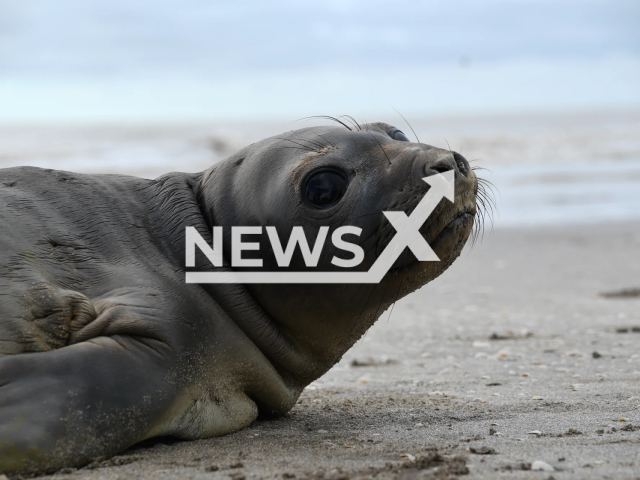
509	359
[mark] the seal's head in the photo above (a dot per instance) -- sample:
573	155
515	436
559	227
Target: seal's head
336	176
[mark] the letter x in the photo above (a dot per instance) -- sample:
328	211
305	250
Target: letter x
409	236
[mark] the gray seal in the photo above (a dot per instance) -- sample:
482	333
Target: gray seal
102	342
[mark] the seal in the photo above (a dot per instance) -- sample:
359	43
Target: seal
103	344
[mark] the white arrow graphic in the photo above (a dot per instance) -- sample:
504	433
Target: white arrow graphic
407	235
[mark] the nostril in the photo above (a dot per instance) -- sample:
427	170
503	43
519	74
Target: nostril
441	167
461	163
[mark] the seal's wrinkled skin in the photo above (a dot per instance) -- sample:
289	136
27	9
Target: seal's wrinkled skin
103	344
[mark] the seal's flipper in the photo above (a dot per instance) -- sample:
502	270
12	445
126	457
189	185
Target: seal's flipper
126	311
68	406
44	318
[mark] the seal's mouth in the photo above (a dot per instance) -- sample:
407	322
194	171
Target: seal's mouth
450	235
446	241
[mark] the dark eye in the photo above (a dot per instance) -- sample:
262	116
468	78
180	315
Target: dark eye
325	188
396	134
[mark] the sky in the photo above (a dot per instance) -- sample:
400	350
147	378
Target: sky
83	60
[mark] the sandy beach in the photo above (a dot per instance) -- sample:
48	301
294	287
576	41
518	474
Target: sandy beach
511	358
521	361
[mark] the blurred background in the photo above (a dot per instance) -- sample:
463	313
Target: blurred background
545	94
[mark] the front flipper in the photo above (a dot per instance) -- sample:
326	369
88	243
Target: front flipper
41	317
68	406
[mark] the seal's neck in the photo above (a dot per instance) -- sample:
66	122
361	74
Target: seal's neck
301	341
178	201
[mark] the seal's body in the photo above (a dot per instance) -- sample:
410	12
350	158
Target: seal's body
103	344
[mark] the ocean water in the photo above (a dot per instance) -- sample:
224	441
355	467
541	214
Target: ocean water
546	169
566	192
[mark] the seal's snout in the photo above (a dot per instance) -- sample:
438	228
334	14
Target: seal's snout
453	161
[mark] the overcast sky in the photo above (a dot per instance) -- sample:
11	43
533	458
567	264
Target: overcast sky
142	59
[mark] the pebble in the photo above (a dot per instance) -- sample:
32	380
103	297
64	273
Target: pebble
322	431
542	466
483	450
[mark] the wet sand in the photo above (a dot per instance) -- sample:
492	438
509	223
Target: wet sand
510	358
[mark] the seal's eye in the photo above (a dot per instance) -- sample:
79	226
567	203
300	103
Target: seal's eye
396	134
325	188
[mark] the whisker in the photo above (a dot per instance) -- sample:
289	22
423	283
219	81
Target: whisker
298	141
352	120
397	295
326	140
312	142
489	200
333	119
300	144
486	184
293	148
405	120
382	297
486	208
385	153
